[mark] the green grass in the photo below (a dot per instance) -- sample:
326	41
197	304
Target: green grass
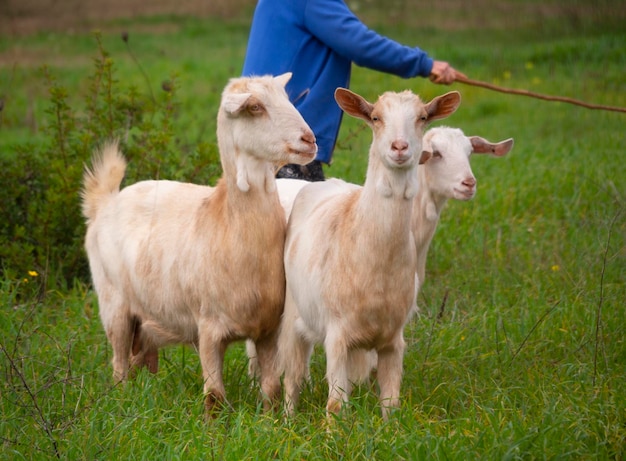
519	350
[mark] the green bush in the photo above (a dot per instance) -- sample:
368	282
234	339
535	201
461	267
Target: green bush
41	226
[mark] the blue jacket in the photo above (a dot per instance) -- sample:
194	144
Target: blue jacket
318	40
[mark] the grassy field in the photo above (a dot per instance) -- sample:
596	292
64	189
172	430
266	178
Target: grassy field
519	350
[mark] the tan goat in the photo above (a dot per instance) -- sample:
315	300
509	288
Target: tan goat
350	258
181	263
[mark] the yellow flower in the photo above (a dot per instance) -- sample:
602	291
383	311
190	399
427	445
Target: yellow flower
555	268
507	75
33	273
529	65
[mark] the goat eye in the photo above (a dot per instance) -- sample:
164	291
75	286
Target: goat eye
436	154
375	118
255	108
423	118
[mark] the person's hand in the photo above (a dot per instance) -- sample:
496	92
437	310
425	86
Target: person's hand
443	73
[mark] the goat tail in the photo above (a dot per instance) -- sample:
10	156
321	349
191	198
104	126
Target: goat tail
103	179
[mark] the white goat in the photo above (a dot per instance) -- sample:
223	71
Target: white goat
181	263
350	257
446	175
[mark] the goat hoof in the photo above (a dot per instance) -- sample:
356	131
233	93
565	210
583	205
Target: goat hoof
213	404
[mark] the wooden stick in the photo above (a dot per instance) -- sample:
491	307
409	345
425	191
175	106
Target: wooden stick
463	79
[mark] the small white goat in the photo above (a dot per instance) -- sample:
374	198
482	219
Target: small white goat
181	263
350	257
446	175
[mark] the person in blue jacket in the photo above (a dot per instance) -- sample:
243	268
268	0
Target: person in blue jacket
318	40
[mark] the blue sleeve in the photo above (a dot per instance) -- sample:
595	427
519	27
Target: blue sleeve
332	22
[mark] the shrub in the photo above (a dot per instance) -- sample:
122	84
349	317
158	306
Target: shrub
41	226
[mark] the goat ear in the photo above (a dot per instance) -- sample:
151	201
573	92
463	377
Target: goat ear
353	104
426	155
284	78
234	102
443	106
482	146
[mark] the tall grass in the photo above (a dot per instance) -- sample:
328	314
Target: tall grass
519	350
